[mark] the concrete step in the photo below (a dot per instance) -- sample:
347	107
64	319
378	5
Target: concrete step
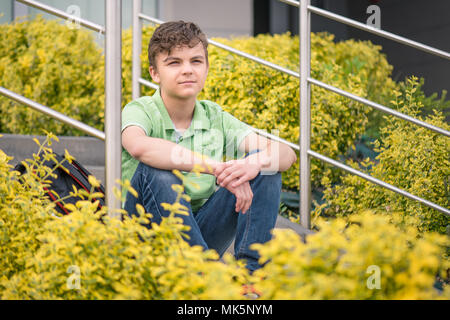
98	172
90	152
86	150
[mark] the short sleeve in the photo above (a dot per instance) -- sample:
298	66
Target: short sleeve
133	114
235	132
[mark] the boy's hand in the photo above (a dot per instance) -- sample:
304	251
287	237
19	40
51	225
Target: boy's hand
237	172
244	196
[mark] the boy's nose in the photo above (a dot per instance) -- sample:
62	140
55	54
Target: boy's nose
187	68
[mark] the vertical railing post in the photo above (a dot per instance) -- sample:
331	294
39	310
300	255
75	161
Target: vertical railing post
137	48
113	101
305	114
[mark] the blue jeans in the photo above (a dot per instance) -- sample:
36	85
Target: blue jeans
216	223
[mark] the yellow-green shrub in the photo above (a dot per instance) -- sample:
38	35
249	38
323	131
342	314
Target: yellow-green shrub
46	61
124	260
365	59
342	259
116	259
23	212
412	158
115	264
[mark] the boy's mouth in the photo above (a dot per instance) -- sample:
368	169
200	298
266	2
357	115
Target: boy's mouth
188	82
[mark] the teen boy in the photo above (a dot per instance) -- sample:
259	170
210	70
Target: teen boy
171	128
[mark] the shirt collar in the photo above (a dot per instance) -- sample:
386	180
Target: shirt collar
199	121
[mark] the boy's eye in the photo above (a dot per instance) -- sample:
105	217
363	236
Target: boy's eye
173	62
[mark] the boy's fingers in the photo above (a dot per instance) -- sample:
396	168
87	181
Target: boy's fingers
222	176
230	178
249	197
239	181
238	201
219	169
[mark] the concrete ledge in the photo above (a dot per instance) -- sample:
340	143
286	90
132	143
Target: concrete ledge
87	150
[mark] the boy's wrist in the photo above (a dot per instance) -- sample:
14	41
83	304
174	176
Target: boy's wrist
260	159
210	165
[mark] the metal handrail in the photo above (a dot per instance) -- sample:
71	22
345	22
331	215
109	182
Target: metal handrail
356	172
148	83
379	107
305	118
113	94
113	104
305	10
379	182
378	32
297	75
53	113
305	115
136	52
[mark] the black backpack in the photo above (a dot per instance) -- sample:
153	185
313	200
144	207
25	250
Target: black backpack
63	184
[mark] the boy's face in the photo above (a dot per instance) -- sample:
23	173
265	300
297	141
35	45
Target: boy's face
182	73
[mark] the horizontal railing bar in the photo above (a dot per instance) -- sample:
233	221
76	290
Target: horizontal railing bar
381	33
151	19
291	2
148	83
64	15
54	114
255	59
379	182
379	107
235	51
276	138
351	170
378	32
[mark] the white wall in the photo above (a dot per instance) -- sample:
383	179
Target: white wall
217	18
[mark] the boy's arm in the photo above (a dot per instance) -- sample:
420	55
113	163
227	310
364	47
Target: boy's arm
272	156
163	154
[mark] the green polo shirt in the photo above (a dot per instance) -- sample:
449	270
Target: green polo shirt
213	132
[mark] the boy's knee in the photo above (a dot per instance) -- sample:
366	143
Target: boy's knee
270	177
267	183
154	176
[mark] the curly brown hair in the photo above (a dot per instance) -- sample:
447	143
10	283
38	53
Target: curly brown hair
173	34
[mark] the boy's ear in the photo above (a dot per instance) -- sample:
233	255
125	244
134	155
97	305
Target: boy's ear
154	74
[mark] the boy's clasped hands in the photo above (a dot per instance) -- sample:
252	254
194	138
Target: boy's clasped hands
235	176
